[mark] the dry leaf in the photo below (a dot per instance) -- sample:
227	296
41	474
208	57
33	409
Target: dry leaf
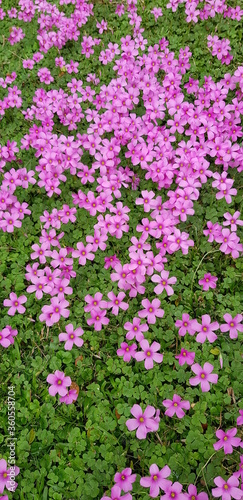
79	358
75	387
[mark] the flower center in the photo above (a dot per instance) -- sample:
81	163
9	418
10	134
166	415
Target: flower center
155	478
59	382
225	438
150	309
203	375
16	303
232	324
5	474
141	419
225	487
148	353
175	404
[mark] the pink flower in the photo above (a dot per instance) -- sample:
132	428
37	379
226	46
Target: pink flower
232	325
151	310
193	495
172	490
208	281
239	473
116	494
127	351
135	329
59	383
95	302
83	253
240	418
227	440
149	354
5	477
206	329
7	336
227	489
15	304
185	325
116	302
144	422
175	406
111	261
232	220
164	283
156	480
71	337
124	479
203	376
98	319
70	397
51	314
185	357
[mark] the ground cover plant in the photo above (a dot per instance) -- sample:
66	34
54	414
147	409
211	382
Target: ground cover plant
120	326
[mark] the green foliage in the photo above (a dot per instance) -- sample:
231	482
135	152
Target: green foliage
72	452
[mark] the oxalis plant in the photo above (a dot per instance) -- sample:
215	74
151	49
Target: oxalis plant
120	224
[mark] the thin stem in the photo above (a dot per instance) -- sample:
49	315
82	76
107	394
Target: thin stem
195	272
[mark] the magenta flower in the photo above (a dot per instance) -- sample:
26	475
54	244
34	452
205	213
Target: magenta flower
95	302
98	319
144	422
208	281
206	329
70	397
239	473
127	351
164	283
172	490
71	337
156	480
185	357
232	325
116	494
232	220
83	253
5	480
7	336
59	383
135	329
151	310
203	376
185	325
116	302
175	406
240	418
15	304
193	495
52	314
227	440
227	489
149	354
125	479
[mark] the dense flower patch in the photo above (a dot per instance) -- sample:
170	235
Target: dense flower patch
119	168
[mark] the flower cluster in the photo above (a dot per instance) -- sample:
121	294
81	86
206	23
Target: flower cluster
220	48
59	384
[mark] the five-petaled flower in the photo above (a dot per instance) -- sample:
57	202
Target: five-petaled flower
15	304
203	376
144	422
